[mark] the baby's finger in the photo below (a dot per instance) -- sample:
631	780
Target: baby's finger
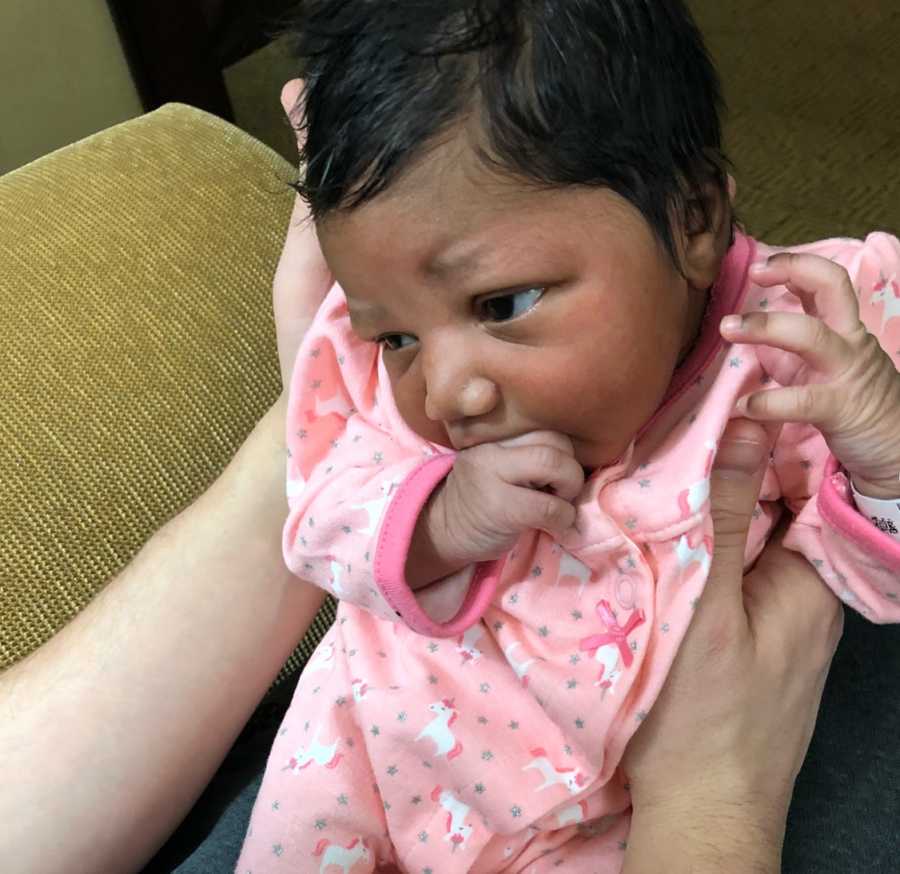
541	467
809	337
813	404
539	510
823	286
535	438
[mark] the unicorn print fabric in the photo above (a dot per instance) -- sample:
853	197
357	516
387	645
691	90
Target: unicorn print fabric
477	725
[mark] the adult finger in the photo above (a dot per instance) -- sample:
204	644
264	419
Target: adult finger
735	482
302	277
290	95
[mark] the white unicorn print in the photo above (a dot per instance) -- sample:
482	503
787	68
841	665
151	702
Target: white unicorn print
691	499
458	830
325	755
438	730
887	291
573	780
343	857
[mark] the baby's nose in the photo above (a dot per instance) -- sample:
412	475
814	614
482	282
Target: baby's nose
461	399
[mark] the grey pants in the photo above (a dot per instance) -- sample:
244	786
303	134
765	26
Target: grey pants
844	818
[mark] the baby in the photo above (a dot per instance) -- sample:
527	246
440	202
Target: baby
502	422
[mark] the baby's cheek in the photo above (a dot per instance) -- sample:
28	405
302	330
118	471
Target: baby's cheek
409	396
620	391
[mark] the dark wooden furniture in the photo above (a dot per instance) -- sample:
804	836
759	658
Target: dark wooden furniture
177	49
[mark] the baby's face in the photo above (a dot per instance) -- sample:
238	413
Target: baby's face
503	310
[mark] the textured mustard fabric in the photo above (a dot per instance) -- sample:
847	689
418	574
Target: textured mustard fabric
137	346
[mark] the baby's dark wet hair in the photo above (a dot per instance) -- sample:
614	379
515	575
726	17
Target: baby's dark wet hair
614	93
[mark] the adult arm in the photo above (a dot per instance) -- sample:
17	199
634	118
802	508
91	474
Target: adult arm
111	730
710	787
738	838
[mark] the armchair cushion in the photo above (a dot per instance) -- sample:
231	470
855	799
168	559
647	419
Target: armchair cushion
138	348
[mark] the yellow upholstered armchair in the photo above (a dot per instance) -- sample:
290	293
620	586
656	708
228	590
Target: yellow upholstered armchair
138	348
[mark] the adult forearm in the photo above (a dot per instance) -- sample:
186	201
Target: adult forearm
738	839
112	729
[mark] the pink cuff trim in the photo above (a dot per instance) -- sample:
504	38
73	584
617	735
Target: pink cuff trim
393	547
835	508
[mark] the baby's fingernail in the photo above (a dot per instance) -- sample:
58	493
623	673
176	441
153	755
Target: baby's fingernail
731	324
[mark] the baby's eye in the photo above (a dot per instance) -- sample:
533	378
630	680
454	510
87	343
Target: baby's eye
504	307
395	342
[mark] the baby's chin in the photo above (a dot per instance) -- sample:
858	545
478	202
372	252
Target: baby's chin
596	455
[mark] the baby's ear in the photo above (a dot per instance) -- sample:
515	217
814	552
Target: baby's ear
706	232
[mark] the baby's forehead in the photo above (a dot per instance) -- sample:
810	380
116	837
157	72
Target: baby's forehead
461	250
446	221
454	228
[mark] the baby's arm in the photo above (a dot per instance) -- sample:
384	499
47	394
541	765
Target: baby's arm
355	483
859	560
377	533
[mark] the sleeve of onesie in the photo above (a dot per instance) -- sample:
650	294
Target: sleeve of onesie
357	480
858	559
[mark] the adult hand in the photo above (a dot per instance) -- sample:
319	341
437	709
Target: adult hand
302	277
725	740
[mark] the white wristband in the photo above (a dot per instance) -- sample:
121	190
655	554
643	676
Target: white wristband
884	514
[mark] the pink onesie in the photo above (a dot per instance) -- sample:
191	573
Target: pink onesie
478	724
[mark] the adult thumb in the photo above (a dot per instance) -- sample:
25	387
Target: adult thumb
735	482
290	103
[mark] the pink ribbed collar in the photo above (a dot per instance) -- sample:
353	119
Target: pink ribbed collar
726	296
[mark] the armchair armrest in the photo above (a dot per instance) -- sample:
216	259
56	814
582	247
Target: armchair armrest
138	347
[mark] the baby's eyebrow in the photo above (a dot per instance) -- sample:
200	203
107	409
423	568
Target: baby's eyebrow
444	266
365	312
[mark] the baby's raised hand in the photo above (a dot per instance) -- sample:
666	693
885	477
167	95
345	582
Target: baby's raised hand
494	493
847	386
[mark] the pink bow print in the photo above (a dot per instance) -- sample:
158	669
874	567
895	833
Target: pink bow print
614	633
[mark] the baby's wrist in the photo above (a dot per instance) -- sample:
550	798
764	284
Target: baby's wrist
429	557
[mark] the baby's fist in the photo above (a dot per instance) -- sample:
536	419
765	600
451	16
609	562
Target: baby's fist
498	490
